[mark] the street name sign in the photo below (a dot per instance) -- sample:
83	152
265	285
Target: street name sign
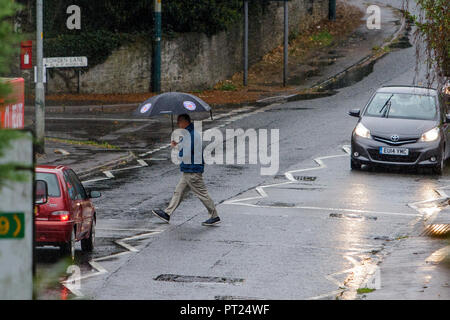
65	62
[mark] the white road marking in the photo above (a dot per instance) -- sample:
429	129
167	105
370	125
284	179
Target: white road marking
361	272
108	174
142	163
94	180
99	269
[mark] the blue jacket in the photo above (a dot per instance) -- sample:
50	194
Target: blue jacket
192	167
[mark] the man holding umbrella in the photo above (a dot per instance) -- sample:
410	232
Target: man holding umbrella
192	174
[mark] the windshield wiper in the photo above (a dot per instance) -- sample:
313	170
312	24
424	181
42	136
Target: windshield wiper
385	105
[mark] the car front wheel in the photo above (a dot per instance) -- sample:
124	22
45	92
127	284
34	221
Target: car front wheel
439	169
355	165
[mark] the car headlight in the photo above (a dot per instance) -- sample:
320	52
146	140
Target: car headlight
430	135
362	131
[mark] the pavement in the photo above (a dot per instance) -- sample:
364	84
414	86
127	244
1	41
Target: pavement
324	236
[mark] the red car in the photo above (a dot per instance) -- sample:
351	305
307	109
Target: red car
64	213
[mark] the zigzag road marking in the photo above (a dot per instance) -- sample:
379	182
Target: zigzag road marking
109	173
99	269
361	271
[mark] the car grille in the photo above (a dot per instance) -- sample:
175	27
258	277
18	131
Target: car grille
375	155
396	143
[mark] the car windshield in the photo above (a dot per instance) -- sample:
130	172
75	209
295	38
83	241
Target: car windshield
402	105
52	183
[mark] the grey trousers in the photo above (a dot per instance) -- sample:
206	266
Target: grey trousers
193	181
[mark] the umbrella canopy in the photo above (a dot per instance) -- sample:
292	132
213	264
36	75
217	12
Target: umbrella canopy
172	103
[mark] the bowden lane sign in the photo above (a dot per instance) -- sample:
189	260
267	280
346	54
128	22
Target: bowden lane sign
65	62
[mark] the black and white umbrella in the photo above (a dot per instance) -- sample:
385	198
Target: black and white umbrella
173	103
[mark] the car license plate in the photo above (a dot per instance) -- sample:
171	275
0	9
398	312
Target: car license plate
394	151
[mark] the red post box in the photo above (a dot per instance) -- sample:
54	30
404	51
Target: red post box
12	107
26	54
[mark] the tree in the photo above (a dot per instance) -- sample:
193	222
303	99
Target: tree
433	29
8	40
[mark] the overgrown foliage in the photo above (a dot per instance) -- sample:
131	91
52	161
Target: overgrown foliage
108	24
433	29
8	41
9	171
96	45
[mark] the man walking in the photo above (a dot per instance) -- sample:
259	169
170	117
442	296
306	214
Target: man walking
192	177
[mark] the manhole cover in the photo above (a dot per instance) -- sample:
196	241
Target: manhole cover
235	298
351	216
305	178
181	278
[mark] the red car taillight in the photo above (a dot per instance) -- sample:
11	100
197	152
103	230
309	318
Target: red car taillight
60	215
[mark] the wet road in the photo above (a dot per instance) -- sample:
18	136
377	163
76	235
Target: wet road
315	230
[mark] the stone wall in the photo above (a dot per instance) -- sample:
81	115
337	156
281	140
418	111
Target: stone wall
191	61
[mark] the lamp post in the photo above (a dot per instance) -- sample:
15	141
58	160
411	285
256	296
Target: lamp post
156	70
245	42
332	10
39	90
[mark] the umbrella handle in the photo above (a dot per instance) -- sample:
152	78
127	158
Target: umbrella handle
210	112
171	118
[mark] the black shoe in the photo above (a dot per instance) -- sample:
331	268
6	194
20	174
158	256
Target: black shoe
162	215
211	221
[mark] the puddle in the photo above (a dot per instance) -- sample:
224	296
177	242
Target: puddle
350	77
402	43
181	278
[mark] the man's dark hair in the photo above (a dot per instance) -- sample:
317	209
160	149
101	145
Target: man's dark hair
184	116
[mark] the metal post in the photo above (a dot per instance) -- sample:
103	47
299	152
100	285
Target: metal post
79	73
245	42
156	72
332	10
39	93
286	43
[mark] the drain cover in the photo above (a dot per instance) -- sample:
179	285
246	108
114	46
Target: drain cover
181	278
437	230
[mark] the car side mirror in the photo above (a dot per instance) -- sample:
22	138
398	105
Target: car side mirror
41	189
355	113
93	194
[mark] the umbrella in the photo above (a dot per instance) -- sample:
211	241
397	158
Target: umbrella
172	103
